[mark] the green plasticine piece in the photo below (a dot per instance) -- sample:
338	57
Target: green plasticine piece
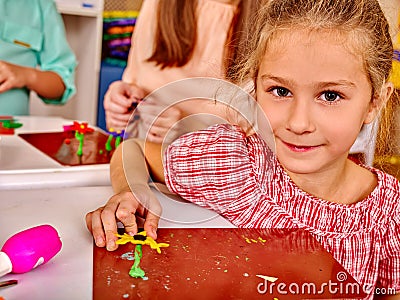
11	124
108	143
117	141
79	137
136	271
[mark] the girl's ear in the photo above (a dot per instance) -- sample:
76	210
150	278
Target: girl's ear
378	102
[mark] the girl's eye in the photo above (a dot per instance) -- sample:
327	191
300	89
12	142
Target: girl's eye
330	96
280	92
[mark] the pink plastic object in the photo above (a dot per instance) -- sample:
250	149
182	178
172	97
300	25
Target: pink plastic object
29	249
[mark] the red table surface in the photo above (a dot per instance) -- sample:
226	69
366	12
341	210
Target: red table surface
62	147
222	263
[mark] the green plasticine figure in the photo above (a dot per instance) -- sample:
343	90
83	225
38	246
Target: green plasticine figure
136	271
80	130
11	124
108	143
118	135
139	239
79	136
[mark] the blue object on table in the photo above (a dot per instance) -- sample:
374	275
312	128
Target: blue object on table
108	74
89	5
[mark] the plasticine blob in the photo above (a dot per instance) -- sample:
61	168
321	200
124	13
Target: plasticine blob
29	249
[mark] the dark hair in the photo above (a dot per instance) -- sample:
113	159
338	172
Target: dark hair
176	32
175	35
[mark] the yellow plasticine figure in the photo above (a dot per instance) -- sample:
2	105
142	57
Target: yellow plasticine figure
140	239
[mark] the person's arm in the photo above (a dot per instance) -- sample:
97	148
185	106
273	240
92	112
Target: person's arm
133	198
152	165
56	59
46	84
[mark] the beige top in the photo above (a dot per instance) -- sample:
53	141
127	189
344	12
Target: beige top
214	20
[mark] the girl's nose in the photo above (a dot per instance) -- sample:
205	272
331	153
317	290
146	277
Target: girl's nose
299	119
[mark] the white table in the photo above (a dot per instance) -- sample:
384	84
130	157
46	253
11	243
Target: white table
22	166
69	274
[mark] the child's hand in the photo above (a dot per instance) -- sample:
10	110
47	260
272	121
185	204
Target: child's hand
13	76
125	207
118	101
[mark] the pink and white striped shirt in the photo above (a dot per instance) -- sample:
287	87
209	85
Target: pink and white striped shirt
222	169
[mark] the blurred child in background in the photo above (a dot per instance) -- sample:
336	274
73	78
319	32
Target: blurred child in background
34	55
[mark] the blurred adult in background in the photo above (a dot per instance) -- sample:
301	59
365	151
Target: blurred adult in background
178	39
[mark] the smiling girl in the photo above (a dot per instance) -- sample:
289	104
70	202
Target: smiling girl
320	72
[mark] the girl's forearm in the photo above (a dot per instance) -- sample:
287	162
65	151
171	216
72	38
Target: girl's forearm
133	162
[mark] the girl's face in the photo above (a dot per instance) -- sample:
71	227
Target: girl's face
317	96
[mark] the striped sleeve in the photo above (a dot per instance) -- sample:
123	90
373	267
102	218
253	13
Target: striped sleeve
208	167
389	267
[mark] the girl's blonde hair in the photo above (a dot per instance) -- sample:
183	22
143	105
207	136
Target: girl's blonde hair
361	22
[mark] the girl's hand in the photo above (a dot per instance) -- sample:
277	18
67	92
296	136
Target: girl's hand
124	207
119	102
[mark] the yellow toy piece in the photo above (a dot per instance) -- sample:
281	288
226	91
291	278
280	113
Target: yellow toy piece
140	238
395	75
120	14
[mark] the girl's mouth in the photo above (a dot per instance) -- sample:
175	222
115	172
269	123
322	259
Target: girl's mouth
300	148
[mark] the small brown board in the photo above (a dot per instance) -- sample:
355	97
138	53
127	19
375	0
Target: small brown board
223	263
